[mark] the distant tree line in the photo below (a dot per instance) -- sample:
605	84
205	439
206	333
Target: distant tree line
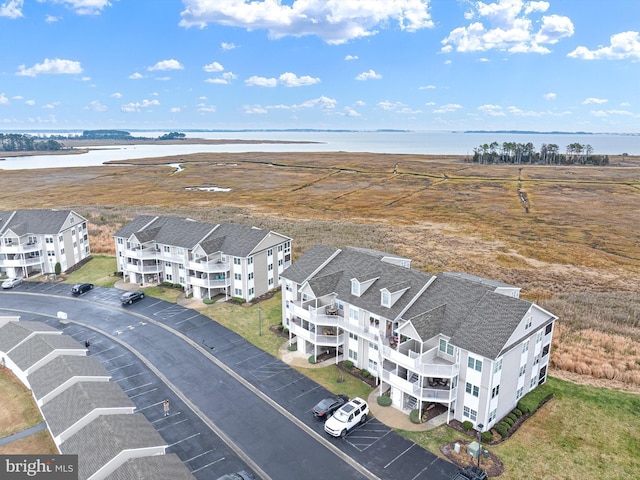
17	142
526	154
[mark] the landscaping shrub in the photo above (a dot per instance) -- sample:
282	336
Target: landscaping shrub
502	429
365	373
414	416
207	301
525	407
467	425
348	364
293	347
280	327
384	401
285	330
508	421
513	417
486	437
177	286
312	359
516	412
57	268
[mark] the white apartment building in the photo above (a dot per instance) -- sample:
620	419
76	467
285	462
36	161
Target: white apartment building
458	340
206	259
33	241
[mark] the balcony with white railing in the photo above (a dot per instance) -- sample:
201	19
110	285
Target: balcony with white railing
211	266
144	268
428	364
20	247
21	262
206	282
326	338
369	333
430	394
142	253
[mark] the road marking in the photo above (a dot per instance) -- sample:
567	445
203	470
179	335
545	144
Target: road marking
208	465
183	440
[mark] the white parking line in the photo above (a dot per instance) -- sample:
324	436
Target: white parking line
207	465
171	424
198	456
398	456
187	319
130	376
183	440
259	354
288	384
306	393
117	356
139	386
144	393
118	368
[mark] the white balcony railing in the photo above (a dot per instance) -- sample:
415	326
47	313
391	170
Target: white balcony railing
24	247
142	253
429	364
21	262
207	282
212	266
155	268
443	395
315	338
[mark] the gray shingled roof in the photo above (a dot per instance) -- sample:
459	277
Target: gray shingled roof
134	226
157	467
475	278
238	240
37	221
358	263
50	376
12	333
39	346
303	267
107	436
81	399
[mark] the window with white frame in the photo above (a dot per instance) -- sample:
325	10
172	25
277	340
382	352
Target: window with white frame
385	298
168	277
251	292
495	391
237	261
373	365
497	366
523	370
238	292
472	389
525	347
250	261
470	413
519	393
492	415
539	336
353	355
270	281
533	382
166	249
270	252
353	313
182	280
474	363
355	288
353	336
528	322
373	346
237	276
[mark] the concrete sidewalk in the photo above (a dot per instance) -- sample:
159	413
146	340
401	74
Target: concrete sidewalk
27	432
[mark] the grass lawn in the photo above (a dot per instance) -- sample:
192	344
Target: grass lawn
99	271
583	432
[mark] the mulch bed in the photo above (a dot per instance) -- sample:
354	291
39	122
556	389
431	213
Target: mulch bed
355	372
492	465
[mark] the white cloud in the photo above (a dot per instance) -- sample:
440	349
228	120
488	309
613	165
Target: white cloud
370	75
51	106
594	100
608	113
136	76
550	96
515	111
116	95
351	57
505	26
430	104
51	19
85	79
255	110
163	79
359	103
213	67
84	7
256	81
4	100
622	45
224	80
397	107
175	109
203	108
11	9
137	106
165	65
447	108
227	46
31	103
324	103
492	110
427	87
203	97
350	112
57	66
96	106
289	79
334	21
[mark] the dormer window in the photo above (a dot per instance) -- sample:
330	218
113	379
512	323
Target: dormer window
385	298
355	287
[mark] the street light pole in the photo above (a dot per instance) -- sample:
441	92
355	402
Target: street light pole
259	322
480	427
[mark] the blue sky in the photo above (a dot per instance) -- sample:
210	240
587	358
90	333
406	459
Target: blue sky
339	64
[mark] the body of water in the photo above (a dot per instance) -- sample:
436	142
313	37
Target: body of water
427	143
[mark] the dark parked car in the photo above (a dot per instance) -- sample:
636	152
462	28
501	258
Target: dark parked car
81	288
325	408
128	298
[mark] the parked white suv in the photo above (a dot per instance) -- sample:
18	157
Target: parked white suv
347	417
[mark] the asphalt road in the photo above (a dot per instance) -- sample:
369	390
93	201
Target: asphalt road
233	406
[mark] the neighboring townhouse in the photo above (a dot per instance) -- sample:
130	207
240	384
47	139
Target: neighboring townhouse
458	340
206	259
86	413
32	242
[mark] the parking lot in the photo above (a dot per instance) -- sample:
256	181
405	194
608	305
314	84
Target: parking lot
209	370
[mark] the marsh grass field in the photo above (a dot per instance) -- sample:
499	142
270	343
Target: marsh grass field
574	248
